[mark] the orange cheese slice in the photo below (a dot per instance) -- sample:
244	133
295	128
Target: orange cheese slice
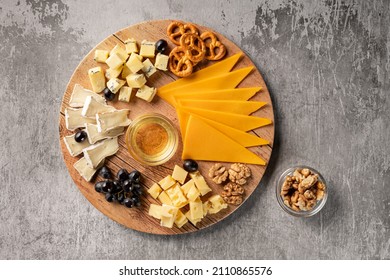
223	81
235	107
241	137
222	94
204	142
240	122
221	67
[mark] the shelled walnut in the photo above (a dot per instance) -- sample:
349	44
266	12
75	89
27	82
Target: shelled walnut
238	173
218	173
233	193
302	190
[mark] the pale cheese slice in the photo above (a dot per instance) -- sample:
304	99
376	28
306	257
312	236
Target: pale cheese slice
80	94
92	107
75	148
85	170
94	135
95	154
110	120
74	119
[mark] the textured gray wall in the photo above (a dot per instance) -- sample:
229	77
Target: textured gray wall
327	67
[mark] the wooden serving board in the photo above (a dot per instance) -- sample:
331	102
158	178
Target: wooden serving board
138	218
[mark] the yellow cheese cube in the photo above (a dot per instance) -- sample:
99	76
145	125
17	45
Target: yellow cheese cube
168	215
120	52
161	62
179	174
181	219
167	221
136	80
200	183
134	63
193	221
125	94
148	68
101	55
155	190
187	186
97	79
164	198
193	193
146	93
131	46
114	61
147	49
113	73
196	209
176	195
115	84
125	72
216	204
167	182
155	211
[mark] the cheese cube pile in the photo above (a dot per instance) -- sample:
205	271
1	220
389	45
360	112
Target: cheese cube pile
174	194
125	65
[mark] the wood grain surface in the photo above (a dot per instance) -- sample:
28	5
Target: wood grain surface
138	218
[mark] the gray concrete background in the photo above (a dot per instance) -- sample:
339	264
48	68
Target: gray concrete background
326	64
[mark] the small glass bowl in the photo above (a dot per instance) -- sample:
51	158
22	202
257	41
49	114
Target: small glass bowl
319	205
160	157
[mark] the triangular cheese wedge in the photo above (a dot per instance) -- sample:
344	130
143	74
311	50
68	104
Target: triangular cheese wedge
223	81
242	94
240	122
235	107
204	142
221	67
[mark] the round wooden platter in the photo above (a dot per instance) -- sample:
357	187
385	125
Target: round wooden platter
138	218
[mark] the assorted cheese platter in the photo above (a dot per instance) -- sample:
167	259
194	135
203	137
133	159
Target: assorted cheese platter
179	114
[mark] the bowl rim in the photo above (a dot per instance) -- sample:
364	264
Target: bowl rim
319	205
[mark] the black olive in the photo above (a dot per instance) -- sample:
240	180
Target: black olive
190	165
135	176
161	46
99	186
128	202
136	201
80	136
108	95
109	197
105	172
107	186
122	175
127	186
120	197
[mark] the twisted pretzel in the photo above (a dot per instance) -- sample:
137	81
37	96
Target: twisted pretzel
194	45
178	62
176	29
215	50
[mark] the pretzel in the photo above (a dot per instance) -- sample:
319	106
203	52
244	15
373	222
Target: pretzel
194	45
176	29
215	50
178	62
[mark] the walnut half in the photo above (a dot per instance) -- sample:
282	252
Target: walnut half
233	193
218	173
238	173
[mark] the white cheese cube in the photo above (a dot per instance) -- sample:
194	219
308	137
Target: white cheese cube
147	49
115	84
114	61
179	174
113	73
125	94
148	68
97	79
131	46
101	56
161	62
146	93
85	170
134	63
136	80
125	72
155	190
120	52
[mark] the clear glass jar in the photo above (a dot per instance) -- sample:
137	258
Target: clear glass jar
152	139
319	204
